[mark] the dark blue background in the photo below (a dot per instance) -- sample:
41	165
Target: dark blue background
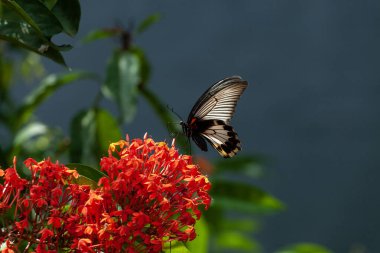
312	105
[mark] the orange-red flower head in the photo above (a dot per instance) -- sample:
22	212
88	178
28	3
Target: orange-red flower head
151	195
156	193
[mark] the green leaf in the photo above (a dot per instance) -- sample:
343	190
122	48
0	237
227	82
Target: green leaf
68	13
91	133
31	67
88	175
144	65
28	132
37	140
249	166
239	224
7	215
87	171
200	243
42	16
243	197
6	72
82	135
228	240
49	3
101	34
304	248
30	137
15	30
175	247
122	79
30	24
107	131
49	85
218	220
149	21
37	15
82	180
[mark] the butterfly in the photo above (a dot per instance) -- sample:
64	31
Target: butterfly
209	119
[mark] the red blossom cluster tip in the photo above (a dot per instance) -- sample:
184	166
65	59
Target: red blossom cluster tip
151	195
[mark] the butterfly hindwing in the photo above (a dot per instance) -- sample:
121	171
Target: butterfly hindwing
200	141
222	137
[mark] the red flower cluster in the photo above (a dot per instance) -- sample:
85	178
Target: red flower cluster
34	210
151	196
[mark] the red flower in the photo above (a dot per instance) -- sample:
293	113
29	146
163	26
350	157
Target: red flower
46	234
152	195
40	205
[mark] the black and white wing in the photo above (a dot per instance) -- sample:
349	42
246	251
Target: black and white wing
211	115
219	101
220	135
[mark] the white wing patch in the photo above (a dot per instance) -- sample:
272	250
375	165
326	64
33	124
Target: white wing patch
223	138
221	100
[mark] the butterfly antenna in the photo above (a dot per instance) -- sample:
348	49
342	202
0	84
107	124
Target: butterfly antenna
171	109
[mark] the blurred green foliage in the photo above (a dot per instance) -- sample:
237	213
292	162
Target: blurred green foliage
233	218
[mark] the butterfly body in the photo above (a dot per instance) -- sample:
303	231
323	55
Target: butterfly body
209	119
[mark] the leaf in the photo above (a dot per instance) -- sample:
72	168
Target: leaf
228	240
200	243
218	221
122	79
249	166
88	175
50	84
101	34
37	15
239	224
144	64
107	131
91	133
21	34
82	135
7	215
304	248
29	24
29	138
39	141
82	180
31	67
243	197
147	22
49	3
68	13
28	132
175	247
6	72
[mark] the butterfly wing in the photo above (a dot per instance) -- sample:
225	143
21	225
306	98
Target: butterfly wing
211	114
219	101
222	137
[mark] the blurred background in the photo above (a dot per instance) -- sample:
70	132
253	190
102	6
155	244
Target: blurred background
312	106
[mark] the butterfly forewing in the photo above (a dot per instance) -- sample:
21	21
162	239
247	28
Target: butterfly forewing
210	116
219	101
